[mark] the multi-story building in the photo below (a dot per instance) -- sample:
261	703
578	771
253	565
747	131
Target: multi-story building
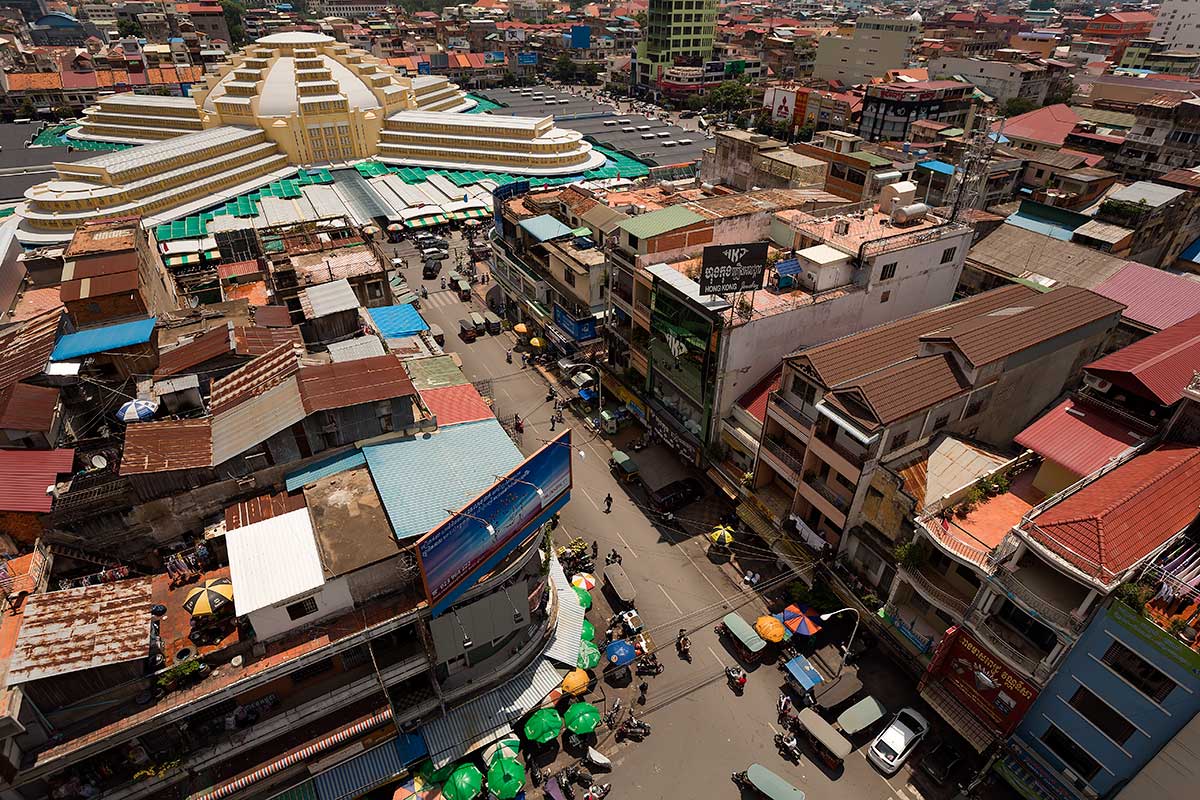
889	109
1156	55
1146	222
1178	24
679	81
1003	80
1163	138
208	18
746	160
678	33
1119	29
854	172
876	45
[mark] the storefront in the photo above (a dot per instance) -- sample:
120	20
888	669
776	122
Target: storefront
671	433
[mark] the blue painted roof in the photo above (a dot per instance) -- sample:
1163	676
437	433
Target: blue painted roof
788	266
325	467
99	340
545	228
940	167
1040	225
1191	252
395	322
419	479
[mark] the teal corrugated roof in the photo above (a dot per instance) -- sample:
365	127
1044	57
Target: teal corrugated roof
545	228
656	223
324	468
99	340
418	479
396	322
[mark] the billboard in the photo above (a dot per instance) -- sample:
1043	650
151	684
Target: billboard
997	695
581	37
527	59
494	57
424	68
783	105
471	542
514	34
729	268
581	330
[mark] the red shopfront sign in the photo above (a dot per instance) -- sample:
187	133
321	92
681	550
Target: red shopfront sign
997	695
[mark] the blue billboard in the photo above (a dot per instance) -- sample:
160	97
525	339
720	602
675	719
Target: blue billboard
494	57
527	59
424	68
471	542
581	330
581	37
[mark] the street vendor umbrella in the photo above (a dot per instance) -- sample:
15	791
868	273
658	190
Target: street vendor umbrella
800	620
582	718
507	747
543	726
370	230
589	656
137	410
722	534
505	778
431	775
620	653
770	629
536	342
585	599
589	631
584	580
465	783
394	227
576	682
520	329
209	598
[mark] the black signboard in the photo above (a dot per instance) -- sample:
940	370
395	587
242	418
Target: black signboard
729	268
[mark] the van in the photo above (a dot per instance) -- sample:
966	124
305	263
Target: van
433	254
494	326
439	336
431	269
466	330
478	321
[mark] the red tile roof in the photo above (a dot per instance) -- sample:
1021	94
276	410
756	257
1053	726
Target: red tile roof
1158	367
1123	516
349	383
454	404
34	81
1049	125
26	474
27	408
755	400
1080	438
1153	297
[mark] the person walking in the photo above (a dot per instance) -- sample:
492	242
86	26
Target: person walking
608	501
524	360
595	549
552	421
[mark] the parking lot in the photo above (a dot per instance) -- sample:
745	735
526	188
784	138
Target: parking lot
655	141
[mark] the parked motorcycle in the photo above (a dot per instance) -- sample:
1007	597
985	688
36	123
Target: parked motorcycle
614	714
625	732
649	668
740	779
597	791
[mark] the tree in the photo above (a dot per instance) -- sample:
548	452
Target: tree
563	69
233	20
26	111
129	27
805	134
640	18
729	96
1018	105
694	102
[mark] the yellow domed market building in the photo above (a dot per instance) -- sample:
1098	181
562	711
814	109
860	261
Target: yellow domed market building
289	100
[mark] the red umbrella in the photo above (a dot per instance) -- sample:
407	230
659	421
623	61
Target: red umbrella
800	620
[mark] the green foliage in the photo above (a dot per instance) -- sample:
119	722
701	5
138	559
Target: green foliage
563	69
1018	105
1134	595
694	102
911	555
820	597
129	27
640	17
179	673
1176	626
27	110
805	134
1126	210
233	20
729	96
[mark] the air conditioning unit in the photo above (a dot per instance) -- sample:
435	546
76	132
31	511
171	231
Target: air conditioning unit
1099	384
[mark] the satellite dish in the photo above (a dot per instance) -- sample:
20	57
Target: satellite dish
99	462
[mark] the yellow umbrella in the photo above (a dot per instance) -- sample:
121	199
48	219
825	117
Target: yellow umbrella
770	629
521	328
535	342
722	534
209	598
576	682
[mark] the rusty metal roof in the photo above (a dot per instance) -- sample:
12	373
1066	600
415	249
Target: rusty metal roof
84	628
26	474
25	349
259	376
27	408
168	445
349	383
205	346
255	340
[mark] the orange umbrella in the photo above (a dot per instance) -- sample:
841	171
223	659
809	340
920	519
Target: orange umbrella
770	629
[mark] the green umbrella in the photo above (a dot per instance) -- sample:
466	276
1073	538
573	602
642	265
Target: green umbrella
432	775
465	783
543	726
585	599
589	656
582	718
589	632
505	778
507	747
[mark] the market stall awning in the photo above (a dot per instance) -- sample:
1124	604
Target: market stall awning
426	221
568	628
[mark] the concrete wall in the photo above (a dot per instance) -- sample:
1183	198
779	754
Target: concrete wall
1155	723
332	598
485	620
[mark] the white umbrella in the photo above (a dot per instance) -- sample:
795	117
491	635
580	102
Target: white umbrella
505	748
138	410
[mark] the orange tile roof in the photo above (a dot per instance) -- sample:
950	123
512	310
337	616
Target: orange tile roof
34	81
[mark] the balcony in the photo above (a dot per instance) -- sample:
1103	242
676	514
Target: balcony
773	501
823	489
1009	644
931	586
791	459
1037	600
793	411
854	454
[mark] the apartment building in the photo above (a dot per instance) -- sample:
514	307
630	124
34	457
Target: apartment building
678	32
746	160
1158	56
889	109
850	415
1118	29
1002	80
1178	24
1164	137
854	171
876	45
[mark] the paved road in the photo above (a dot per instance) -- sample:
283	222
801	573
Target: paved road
702	731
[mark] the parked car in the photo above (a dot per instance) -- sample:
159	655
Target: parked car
896	742
940	761
676	494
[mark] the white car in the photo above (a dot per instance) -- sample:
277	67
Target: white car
896	742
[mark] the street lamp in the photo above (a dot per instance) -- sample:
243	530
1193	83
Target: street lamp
490	529
536	488
850	641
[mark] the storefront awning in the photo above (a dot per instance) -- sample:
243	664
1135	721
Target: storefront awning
756	522
568	627
959	717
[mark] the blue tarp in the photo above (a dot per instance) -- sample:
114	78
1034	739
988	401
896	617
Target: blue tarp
1191	252
100	340
788	266
545	228
587	395
803	673
940	167
324	468
396	322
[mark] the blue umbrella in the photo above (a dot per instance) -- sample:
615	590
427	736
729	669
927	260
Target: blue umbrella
137	410
620	653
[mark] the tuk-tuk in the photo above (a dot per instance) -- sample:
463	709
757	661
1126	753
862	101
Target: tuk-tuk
828	696
861	715
480	325
494	326
622	588
438	334
466	330
767	783
802	676
830	745
748	645
623	467
464	291
453	277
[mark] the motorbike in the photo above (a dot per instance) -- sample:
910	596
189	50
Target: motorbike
579	775
783	708
565	784
597	791
740	779
637	724
788	747
615	714
649	668
736	677
683	648
625	732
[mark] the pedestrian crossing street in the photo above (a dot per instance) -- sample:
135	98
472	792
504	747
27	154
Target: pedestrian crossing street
442	299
